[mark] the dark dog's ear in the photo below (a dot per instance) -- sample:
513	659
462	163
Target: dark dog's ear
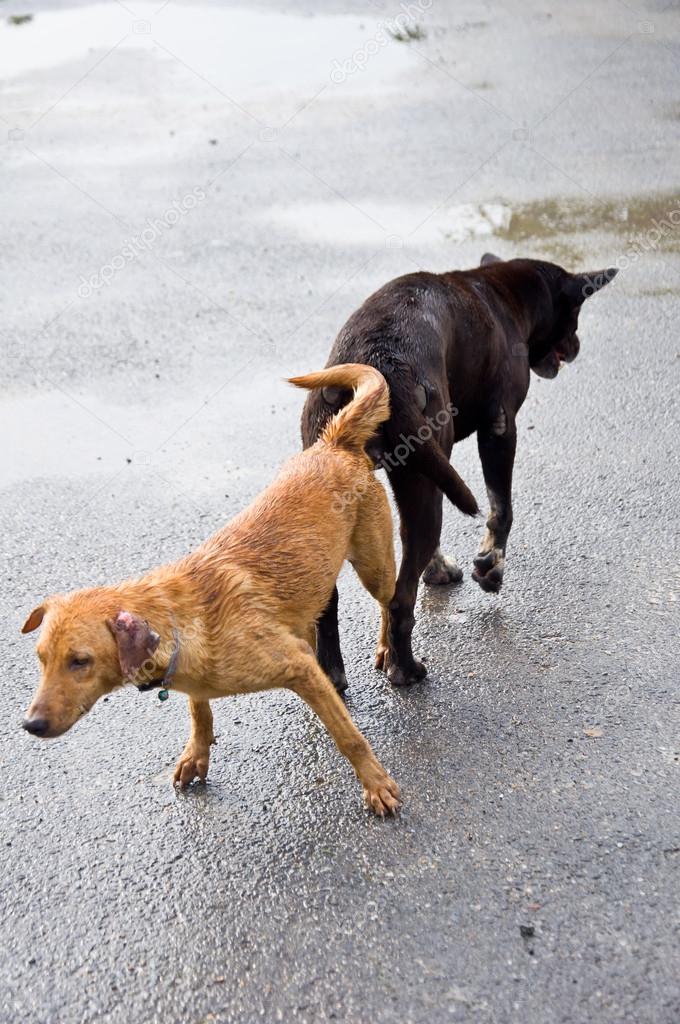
34	619
580	287
135	639
488	258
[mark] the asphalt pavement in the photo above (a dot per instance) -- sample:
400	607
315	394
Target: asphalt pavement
195	197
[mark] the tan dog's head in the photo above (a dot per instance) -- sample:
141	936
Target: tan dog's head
88	647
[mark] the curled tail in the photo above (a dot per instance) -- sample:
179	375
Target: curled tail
358	421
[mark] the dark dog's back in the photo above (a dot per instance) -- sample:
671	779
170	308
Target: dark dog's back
404	330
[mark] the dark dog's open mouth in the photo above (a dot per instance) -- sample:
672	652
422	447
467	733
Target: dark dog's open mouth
550	365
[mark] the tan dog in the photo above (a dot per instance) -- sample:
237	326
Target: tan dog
238	615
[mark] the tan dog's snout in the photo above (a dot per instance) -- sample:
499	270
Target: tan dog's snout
51	712
40	717
58	704
36	725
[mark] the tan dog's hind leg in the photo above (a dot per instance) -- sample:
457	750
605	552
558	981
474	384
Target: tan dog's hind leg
193	762
311	637
372	555
381	793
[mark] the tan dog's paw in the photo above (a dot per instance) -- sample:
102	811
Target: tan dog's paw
193	764
383	796
381	652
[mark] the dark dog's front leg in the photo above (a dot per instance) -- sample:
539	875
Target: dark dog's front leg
328	651
497	452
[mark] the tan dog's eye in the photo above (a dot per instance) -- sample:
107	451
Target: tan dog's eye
79	662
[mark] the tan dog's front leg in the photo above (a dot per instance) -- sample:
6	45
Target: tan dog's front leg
381	792
193	762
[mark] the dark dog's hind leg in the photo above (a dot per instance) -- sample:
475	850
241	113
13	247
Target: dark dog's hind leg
420	512
441	570
315	415
328	651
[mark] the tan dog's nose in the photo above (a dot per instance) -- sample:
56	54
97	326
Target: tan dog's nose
36	726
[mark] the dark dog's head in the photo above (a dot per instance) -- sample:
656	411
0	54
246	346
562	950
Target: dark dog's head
556	296
88	647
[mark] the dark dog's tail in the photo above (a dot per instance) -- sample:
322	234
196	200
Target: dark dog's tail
358	421
426	457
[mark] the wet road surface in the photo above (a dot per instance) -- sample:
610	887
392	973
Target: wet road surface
195	199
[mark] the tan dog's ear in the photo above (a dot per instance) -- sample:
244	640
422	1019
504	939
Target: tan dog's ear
135	639
34	619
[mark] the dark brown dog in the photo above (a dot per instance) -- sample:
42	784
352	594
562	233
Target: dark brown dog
237	615
456	350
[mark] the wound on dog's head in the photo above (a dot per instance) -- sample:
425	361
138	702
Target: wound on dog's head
135	639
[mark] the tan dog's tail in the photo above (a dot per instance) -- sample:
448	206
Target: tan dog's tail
358	421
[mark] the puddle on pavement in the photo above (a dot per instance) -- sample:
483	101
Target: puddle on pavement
645	222
235	50
660	293
371	223
653	219
164	777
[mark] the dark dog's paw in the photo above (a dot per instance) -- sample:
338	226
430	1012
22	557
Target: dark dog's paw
488	570
334	669
406	675
338	678
441	570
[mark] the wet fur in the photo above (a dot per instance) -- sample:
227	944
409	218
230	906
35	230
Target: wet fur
246	602
465	340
